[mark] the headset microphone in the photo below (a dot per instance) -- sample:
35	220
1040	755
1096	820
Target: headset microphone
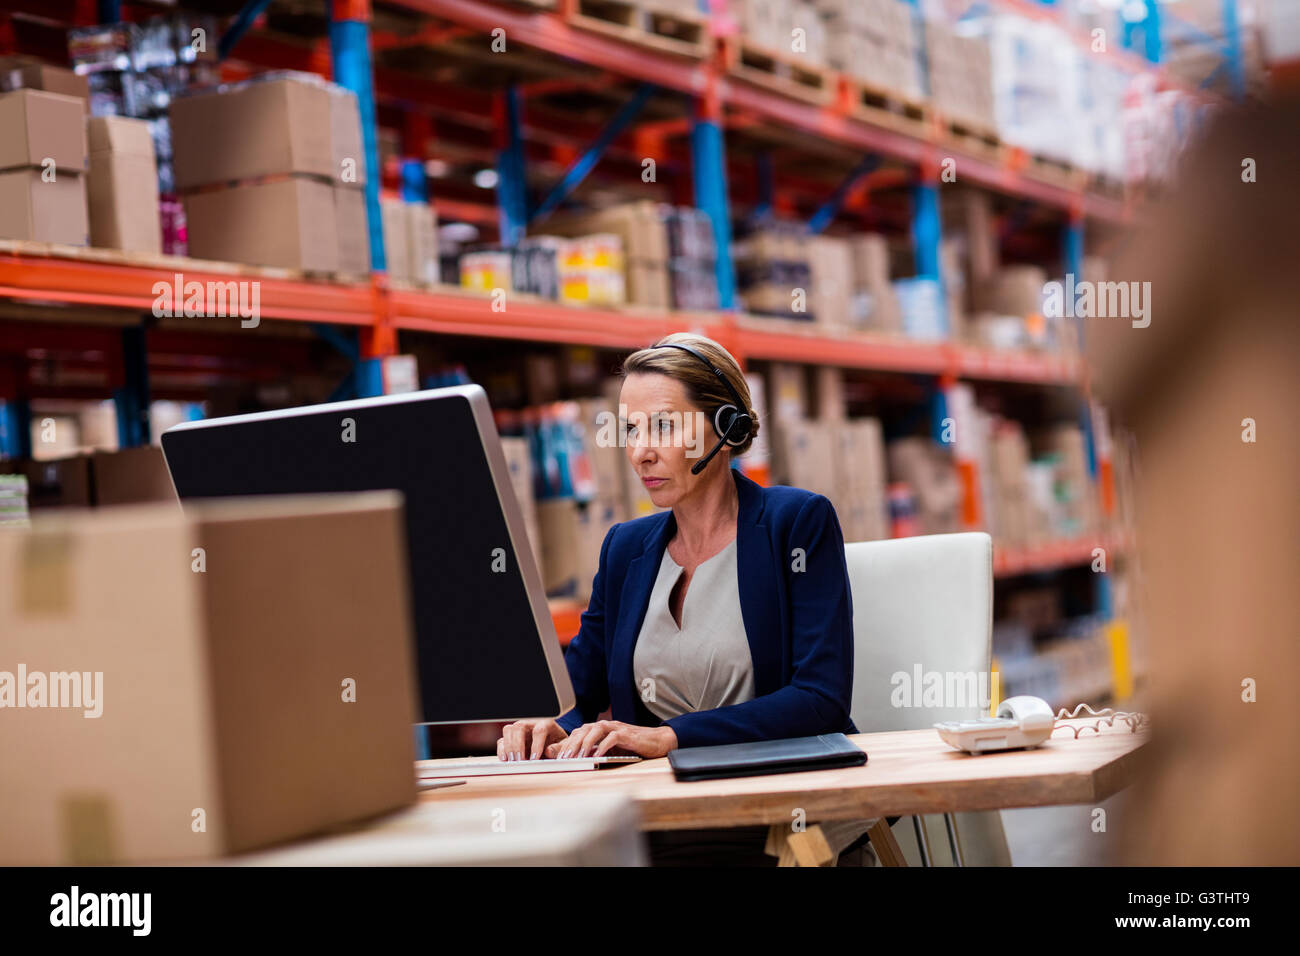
736	418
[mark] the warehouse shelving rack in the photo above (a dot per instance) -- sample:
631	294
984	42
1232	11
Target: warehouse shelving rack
51	282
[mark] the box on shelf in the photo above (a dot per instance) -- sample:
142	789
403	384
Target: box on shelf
132	476
353	230
122	185
289	223
395	217
422	242
572	533
346	144
927	468
32	208
40	129
263	127
188	698
59	483
27	73
860	491
520	465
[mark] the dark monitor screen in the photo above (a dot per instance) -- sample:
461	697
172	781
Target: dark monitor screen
485	644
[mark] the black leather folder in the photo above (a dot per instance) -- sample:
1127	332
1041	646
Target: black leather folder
766	756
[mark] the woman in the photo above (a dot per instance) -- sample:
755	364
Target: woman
723	620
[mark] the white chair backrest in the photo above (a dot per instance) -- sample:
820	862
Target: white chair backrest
922	612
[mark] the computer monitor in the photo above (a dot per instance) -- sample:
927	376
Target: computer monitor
486	646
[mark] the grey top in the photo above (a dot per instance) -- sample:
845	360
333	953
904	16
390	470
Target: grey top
706	663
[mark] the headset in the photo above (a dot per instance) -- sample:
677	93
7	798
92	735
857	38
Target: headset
731	422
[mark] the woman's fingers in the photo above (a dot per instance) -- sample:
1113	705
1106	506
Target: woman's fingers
611	740
541	731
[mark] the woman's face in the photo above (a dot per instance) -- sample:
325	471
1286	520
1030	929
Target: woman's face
665	435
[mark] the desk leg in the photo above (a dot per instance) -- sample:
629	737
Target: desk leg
804	848
887	849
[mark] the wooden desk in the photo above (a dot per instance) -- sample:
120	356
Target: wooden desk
909	772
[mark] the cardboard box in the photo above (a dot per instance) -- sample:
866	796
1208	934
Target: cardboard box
122	185
422	242
608	460
346	144
288	223
519	462
259	128
805	455
36	126
353	230
31	208
572	533
220	719
25	73
860	498
396	227
60	483
132	476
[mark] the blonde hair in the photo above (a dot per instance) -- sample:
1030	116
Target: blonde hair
702	387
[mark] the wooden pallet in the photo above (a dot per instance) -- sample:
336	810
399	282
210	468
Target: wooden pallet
973	134
885	107
181	264
783	73
678	32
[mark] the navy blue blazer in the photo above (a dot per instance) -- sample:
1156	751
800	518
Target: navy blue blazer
796	605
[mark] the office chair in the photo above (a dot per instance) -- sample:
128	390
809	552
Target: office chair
925	600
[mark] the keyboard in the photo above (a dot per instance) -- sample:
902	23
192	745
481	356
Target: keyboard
495	766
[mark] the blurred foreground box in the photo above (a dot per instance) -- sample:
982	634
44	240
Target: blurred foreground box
177	686
574	830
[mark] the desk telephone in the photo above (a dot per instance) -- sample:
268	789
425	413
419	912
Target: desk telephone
1023	722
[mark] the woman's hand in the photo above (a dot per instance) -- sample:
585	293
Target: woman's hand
614	738
528	739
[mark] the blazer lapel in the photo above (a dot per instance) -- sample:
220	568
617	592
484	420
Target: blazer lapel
760	596
634	601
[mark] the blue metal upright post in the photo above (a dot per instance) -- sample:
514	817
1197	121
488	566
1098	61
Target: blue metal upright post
350	55
132	399
16	428
926	230
512	183
709	171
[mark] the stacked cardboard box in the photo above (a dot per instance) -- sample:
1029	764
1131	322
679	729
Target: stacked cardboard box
830	297
692	258
42	167
519	462
773	273
349	182
874	41
643	239
875	304
261	165
860	480
591	272
1011	521
766	24
27	73
129	476
1075	497
410	240
122	185
927	468
960	77
206	715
